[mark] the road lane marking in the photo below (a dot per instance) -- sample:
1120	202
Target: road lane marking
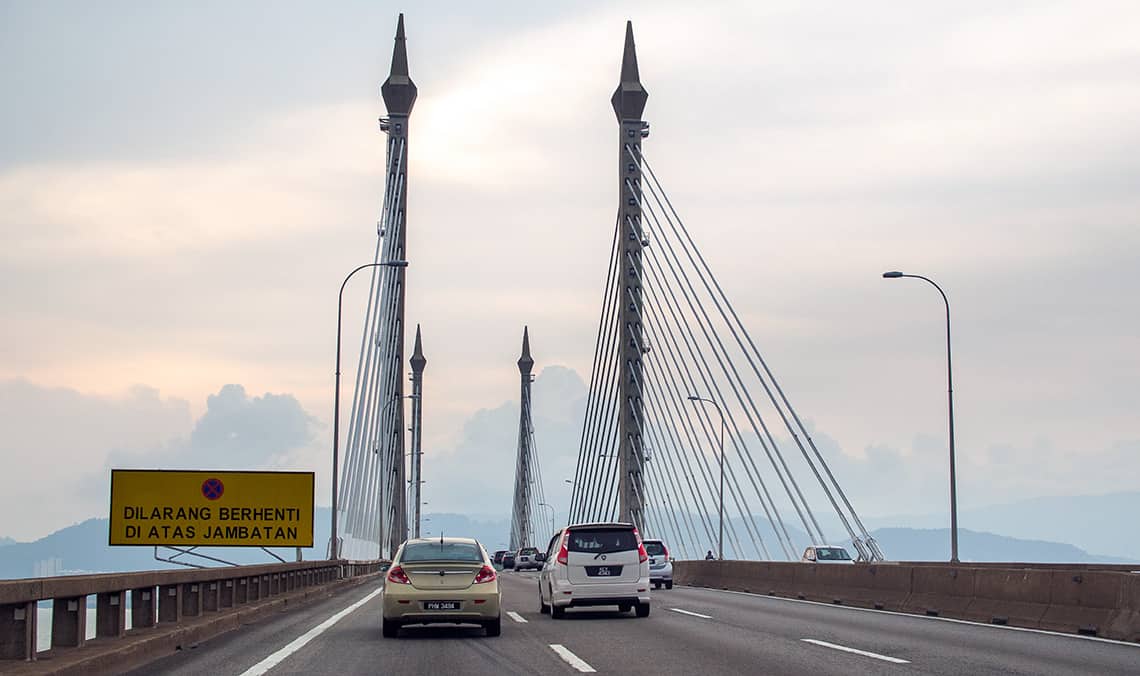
572	659
279	656
928	618
516	617
689	612
864	653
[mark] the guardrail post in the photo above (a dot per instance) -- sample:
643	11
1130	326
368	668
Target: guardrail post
191	599
69	622
211	593
142	608
226	595
111	614
170	603
18	631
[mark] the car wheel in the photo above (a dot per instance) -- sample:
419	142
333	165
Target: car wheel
669	584
656	585
557	612
389	628
643	610
494	627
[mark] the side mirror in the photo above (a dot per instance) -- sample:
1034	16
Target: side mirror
540	557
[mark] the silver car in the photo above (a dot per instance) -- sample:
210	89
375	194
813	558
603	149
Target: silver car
660	564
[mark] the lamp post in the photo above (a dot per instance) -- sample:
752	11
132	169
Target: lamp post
551	507
720	540
334	547
950	404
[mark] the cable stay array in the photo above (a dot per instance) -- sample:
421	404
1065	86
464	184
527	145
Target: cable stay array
371	511
778	486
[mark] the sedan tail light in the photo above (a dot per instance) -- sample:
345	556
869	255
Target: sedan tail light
563	552
485	574
642	556
398	576
666	551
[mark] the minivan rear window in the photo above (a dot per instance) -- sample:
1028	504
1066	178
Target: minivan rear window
654	549
441	551
601	541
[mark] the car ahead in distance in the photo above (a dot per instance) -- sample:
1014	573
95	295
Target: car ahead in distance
660	565
595	564
528	558
826	554
497	559
441	580
508	561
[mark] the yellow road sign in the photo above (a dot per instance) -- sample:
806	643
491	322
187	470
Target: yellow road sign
216	509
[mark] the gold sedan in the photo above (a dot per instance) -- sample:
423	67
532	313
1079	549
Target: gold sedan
441	580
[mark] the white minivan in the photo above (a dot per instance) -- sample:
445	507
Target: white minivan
595	564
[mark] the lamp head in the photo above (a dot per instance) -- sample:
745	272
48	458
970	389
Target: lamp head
894	274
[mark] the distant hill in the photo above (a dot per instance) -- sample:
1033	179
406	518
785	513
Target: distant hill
1094	523
6	541
912	544
83	548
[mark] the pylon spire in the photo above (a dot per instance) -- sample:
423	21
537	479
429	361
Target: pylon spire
398	90
629	98
525	361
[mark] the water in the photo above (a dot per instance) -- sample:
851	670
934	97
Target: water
43	628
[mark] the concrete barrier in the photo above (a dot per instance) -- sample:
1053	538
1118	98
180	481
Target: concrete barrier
1102	602
159	602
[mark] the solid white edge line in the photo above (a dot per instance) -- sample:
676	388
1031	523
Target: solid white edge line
1028	630
572	659
689	612
516	617
298	643
864	653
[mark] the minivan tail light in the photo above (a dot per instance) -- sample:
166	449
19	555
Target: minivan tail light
642	556
398	576
485	574
563	552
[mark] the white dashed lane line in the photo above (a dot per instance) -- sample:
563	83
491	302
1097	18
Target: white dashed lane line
516	617
864	653
572	659
689	612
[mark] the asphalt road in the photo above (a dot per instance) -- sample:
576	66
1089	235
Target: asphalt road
690	631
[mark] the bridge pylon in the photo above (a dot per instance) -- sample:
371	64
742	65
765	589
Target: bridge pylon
629	102
522	512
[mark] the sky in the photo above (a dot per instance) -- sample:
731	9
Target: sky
184	186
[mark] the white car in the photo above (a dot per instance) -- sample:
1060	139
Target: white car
527	558
826	554
595	564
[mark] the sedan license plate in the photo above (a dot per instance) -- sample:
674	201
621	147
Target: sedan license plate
603	571
441	605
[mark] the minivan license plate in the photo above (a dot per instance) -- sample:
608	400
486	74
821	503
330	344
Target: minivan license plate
441	605
603	571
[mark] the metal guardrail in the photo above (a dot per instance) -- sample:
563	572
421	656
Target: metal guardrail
155	598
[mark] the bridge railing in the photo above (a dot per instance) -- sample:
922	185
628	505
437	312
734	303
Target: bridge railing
1099	601
155	598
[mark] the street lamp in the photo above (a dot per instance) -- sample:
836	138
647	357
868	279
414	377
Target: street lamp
334	547
950	403
720	541
543	504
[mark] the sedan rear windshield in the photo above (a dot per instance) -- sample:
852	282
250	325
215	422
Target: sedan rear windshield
528	551
602	541
654	549
441	551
